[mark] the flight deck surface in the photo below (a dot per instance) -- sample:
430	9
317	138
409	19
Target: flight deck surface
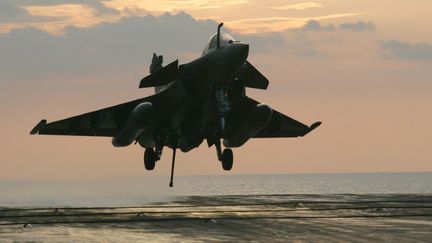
311	218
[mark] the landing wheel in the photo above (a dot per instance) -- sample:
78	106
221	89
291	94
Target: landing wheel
149	159
227	159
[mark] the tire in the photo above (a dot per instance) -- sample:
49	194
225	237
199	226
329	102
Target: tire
227	159
149	159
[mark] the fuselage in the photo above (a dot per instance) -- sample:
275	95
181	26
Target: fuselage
199	101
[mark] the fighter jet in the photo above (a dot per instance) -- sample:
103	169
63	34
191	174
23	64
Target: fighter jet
204	99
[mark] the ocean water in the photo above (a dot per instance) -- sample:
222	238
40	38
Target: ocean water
144	190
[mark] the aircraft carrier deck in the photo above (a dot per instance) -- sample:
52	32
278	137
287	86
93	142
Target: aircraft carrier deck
310	218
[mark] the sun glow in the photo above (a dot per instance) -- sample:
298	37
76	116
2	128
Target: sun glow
275	24
170	5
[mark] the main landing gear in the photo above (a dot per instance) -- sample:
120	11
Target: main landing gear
150	158
226	157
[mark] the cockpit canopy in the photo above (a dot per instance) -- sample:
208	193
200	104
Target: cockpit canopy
225	39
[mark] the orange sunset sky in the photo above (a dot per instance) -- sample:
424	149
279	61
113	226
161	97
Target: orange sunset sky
363	68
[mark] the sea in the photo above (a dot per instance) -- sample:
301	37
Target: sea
127	191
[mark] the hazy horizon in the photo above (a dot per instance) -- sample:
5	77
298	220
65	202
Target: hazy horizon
147	190
165	177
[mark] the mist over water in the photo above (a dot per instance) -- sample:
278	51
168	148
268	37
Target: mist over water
146	190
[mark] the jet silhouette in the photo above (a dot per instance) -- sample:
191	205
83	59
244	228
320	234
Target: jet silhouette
204	99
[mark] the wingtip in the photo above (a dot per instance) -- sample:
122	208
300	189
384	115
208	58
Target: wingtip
36	129
315	125
311	128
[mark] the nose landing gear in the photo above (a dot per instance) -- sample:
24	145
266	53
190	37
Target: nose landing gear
223	107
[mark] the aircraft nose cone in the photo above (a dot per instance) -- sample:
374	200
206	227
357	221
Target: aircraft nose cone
239	52
232	56
243	50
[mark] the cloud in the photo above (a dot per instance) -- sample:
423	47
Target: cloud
358	26
407	51
97	5
55	15
313	25
12	13
298	6
51	16
170	5
302	46
109	47
81	50
89	13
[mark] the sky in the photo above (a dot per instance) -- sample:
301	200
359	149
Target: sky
363	68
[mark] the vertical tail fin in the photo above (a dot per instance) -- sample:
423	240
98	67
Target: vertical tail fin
156	63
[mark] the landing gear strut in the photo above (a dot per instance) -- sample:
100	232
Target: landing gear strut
150	158
226	157
223	107
152	155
